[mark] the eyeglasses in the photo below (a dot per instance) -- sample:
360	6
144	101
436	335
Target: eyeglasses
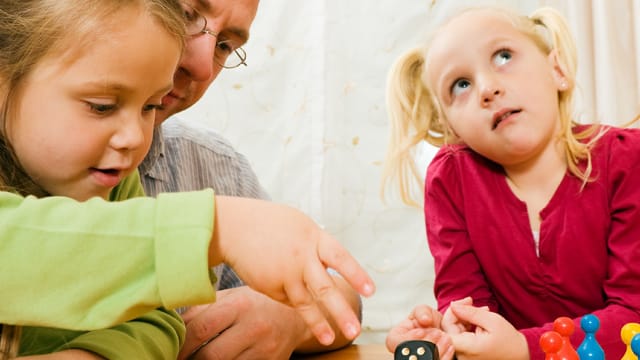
227	54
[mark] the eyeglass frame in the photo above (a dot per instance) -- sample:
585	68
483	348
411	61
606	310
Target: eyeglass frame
239	51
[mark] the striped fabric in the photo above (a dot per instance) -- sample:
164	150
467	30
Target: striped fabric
185	156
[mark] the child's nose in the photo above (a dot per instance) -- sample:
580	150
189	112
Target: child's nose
129	135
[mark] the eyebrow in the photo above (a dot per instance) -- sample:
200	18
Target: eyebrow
206	7
114	86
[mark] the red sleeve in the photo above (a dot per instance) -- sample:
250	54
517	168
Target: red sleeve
448	237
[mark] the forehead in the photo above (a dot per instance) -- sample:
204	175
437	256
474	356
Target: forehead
465	36
234	16
101	52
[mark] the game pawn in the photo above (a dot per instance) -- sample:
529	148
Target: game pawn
627	333
590	348
551	343
635	344
565	327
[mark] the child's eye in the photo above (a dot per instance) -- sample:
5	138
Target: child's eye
101	109
502	57
459	86
152	107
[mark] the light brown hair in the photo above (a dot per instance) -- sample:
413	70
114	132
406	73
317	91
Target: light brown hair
32	30
414	114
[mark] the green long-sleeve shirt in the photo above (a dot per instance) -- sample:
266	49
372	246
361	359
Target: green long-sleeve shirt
95	264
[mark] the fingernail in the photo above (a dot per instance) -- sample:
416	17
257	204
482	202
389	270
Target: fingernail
326	338
351	331
368	289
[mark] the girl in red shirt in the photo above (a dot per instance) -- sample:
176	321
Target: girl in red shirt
529	215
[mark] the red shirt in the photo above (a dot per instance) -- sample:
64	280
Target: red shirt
483	246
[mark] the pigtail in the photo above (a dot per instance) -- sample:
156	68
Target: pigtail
9	341
412	119
558	38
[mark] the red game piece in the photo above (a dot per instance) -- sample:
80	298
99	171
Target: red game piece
565	327
551	343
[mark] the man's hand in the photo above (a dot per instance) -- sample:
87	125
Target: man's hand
245	324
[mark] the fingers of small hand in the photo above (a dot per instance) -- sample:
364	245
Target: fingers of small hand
464	301
425	316
451	323
301	298
480	317
333	255
325	291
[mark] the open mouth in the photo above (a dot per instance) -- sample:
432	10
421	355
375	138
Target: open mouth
500	117
107	171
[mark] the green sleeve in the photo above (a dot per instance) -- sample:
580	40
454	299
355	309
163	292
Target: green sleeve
93	264
158	334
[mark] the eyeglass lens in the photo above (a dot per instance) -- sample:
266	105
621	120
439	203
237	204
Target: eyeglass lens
227	54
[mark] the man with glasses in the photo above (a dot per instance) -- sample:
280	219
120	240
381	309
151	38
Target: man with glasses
241	324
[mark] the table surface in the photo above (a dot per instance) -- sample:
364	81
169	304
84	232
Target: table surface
353	352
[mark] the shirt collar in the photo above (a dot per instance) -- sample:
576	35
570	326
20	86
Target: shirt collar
155	155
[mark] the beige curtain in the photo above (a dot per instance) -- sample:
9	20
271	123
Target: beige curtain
309	113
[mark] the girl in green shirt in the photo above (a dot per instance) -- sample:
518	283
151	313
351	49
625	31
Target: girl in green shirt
80	82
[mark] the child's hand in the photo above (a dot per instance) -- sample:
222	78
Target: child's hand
422	324
282	253
451	323
494	337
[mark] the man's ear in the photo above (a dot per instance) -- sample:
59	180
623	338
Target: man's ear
559	71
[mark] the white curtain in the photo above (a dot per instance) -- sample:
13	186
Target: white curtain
309	113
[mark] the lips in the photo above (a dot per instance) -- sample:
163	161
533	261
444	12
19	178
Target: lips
502	115
170	98
107	177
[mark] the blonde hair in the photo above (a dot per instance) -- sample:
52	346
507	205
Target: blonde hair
32	30
415	115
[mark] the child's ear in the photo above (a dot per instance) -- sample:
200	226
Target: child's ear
559	71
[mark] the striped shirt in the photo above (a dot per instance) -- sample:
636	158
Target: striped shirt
185	156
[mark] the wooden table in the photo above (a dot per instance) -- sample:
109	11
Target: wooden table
353	352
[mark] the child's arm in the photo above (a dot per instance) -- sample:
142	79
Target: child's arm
87	250
458	273
161	247
155	335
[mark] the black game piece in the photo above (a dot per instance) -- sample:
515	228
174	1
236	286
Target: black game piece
416	350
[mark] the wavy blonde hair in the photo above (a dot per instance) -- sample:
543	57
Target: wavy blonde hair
415	115
33	30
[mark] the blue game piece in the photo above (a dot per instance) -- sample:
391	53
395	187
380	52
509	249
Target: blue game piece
590	349
635	344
